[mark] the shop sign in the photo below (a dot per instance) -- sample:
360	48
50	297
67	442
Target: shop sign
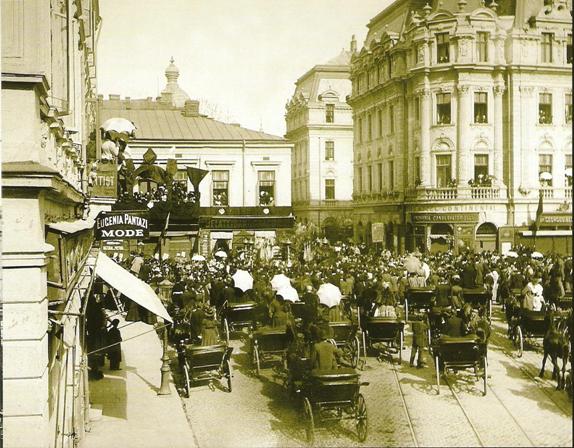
444	217
106	181
254	223
378	232
556	218
122	225
204	243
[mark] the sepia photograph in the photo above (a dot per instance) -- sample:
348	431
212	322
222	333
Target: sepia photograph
286	223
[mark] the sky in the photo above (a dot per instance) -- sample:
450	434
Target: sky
239	57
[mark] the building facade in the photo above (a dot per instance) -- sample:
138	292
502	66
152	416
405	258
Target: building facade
243	194
48	116
320	125
463	115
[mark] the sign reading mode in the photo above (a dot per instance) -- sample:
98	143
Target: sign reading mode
122	225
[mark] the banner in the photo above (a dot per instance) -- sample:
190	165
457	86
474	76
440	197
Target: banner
122	225
378	232
106	181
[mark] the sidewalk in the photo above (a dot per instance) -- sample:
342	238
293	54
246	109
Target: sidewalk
133	415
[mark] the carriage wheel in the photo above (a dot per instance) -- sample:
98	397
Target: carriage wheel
310	426
226	329
257	362
187	381
437	367
361	416
228	373
519	341
485	375
401	340
355	352
406	309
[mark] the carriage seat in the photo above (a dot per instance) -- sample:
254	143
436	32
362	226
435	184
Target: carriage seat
445	339
341	374
199	349
269	330
533	315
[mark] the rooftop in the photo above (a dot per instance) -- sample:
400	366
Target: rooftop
174	124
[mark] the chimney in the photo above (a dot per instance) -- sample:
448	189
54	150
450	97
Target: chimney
191	108
353	44
114	97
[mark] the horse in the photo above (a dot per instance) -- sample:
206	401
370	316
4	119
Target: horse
557	344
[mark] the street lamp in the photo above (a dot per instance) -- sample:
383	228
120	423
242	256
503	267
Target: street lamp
288	244
165	288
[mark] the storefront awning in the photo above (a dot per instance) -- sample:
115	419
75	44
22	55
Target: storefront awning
71	226
130	286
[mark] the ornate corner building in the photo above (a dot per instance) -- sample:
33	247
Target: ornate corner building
462	121
48	124
320	125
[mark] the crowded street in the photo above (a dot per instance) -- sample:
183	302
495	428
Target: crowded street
404	409
288	223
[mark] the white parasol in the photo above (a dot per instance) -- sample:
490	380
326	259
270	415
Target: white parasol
118	125
545	176
511	254
412	264
221	254
198	257
289	293
329	294
568	172
537	255
279	281
242	280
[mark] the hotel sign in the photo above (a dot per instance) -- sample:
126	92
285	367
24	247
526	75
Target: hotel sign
378	232
444	217
122	225
556	218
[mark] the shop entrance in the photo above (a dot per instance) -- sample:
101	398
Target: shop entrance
486	235
441	236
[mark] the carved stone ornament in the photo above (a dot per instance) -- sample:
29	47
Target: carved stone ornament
499	90
463	89
44	134
463	47
526	90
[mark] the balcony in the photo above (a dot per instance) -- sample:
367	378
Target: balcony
484	193
547	192
444	193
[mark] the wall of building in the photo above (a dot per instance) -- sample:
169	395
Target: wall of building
397	75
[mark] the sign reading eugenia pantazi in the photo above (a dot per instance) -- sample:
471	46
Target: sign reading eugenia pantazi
122	225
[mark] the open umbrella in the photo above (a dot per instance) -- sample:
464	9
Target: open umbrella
198	257
118	125
221	254
511	254
412	264
545	176
289	293
242	280
537	255
279	281
568	172
329	294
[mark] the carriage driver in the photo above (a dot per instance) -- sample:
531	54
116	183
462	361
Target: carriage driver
324	355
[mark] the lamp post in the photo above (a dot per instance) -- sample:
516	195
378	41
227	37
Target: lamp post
288	244
165	288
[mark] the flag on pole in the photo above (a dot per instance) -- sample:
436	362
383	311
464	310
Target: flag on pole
539	212
163	234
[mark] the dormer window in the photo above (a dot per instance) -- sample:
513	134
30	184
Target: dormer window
546	47
442	48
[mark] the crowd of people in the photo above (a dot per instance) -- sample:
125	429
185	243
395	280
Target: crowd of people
375	281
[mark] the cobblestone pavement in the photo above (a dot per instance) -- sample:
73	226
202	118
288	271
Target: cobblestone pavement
403	406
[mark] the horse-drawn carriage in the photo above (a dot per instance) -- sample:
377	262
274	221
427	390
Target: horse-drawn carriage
384	335
239	316
206	363
478	297
460	353
268	344
333	396
418	299
346	337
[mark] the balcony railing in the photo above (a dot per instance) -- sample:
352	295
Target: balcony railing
547	192
484	193
441	193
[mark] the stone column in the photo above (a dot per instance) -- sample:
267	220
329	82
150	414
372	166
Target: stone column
528	164
425	160
464	113
498	165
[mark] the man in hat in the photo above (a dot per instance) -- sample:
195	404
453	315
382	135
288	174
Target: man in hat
420	327
114	339
324	354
